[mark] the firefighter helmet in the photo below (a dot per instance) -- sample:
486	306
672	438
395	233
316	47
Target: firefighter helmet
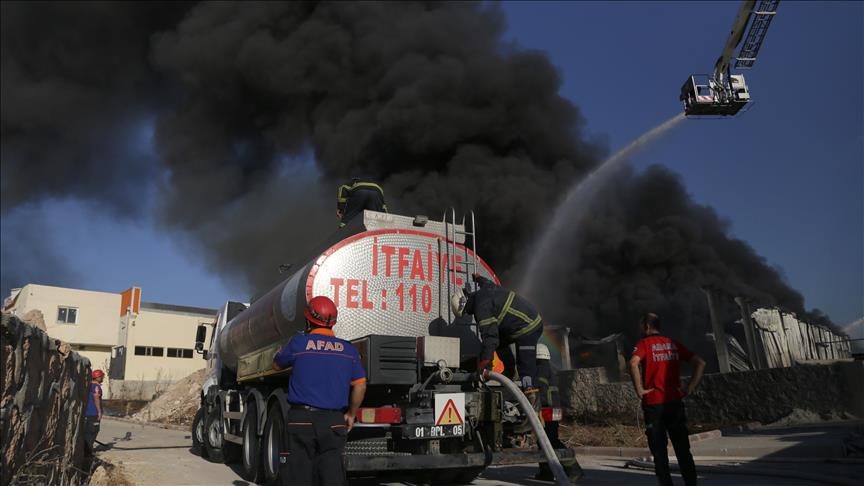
543	352
97	374
458	301
321	311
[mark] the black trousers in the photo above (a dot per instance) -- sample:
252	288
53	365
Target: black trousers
315	442
669	419
91	431
526	357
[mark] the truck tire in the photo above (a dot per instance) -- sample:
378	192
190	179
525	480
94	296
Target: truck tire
271	444
251	450
214	437
198	434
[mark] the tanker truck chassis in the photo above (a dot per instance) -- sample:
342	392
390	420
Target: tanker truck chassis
424	418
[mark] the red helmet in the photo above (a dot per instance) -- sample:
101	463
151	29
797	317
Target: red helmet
97	374
321	311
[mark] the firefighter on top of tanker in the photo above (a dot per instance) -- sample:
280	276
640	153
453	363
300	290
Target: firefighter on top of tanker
353	198
504	318
325	391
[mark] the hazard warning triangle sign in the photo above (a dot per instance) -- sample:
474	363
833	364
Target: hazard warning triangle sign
450	415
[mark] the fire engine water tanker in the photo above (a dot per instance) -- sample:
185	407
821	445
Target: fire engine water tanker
385	280
425	414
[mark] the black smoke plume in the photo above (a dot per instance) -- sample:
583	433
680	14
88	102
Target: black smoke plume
261	108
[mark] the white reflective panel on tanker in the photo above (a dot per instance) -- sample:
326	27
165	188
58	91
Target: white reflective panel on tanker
388	282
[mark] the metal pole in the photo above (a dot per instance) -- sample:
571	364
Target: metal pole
719	333
567	360
749	333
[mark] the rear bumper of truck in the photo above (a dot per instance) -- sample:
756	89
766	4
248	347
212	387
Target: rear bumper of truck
373	463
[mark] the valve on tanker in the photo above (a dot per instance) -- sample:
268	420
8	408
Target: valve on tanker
444	373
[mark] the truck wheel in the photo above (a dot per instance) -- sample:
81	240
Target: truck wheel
214	437
272	444
251	452
198	434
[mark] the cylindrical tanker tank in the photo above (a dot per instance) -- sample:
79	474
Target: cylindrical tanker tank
270	319
384	280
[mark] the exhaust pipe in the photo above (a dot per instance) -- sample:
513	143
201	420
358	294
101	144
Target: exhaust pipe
561	478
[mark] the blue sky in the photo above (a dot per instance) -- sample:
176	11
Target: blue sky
787	174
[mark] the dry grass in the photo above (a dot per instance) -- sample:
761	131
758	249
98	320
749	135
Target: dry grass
46	467
603	435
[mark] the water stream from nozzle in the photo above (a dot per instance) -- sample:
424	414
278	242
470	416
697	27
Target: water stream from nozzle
574	207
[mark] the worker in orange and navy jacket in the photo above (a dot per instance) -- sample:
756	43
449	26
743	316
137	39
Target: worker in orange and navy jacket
659	387
93	414
325	391
353	198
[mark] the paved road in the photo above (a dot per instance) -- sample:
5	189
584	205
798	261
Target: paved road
152	456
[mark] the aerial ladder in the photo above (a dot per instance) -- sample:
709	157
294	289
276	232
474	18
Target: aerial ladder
723	93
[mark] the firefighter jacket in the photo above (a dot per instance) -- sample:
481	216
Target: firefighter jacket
353	198
502	315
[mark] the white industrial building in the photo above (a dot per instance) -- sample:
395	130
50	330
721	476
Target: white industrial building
142	346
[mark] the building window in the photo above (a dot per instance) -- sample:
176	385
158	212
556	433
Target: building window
67	315
148	351
179	353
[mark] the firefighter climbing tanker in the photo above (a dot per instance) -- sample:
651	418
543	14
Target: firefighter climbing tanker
425	416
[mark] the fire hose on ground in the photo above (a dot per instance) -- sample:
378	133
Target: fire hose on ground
561	478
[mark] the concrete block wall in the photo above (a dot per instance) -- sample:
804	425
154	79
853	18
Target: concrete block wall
747	396
42	402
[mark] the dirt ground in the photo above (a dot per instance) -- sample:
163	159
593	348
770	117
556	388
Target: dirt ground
613	433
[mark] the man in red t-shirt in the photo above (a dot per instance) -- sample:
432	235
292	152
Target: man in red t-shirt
661	395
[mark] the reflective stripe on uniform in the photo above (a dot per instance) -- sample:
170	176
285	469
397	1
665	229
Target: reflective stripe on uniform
341	197
506	307
549	390
368	184
530	327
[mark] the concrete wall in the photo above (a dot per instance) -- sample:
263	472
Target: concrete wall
764	395
44	394
164	329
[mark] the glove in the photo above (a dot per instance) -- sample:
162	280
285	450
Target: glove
480	280
483	364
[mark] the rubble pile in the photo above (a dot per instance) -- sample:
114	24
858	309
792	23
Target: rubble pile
177	404
44	392
800	417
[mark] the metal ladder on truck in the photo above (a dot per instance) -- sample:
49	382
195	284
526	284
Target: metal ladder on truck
451	250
